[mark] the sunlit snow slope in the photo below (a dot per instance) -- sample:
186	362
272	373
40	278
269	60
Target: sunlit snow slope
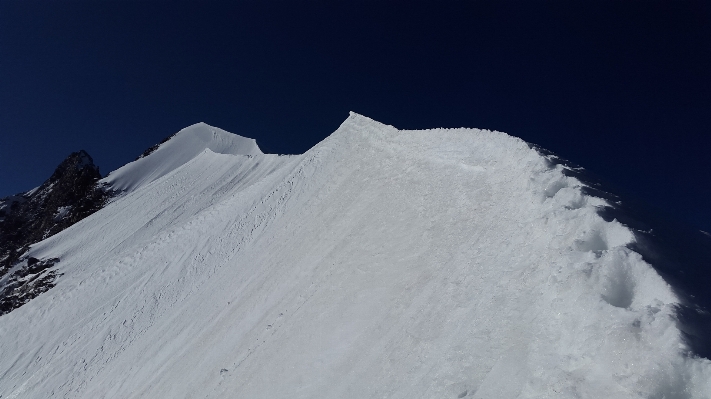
181	148
446	263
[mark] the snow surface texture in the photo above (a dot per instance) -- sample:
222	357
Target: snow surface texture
450	263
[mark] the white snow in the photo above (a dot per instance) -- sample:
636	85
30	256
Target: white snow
181	148
444	263
62	212
31	192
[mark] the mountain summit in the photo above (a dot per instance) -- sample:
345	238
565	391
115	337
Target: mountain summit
177	150
453	263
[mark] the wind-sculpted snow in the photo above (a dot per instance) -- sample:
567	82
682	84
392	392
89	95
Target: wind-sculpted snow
452	263
177	150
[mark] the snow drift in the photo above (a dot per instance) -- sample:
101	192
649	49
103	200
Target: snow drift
381	263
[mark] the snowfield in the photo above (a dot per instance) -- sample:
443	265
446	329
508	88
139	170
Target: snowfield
448	263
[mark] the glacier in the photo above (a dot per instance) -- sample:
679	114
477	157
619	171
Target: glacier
385	263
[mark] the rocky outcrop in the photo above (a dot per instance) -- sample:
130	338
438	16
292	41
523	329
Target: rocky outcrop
154	147
68	196
25	282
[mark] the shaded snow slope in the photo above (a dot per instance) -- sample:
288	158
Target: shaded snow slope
453	263
179	149
681	254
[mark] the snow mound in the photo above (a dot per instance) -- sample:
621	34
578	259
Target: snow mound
452	263
180	149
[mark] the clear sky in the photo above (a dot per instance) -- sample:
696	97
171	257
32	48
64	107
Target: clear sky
622	88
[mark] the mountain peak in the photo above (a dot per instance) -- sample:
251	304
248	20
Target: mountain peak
382	262
76	161
201	125
218	140
178	149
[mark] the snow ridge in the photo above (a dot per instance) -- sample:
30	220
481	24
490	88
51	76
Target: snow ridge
179	149
454	263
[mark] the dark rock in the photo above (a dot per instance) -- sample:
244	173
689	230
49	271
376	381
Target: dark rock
68	196
150	150
27	282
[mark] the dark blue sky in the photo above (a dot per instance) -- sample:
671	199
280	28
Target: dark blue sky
622	88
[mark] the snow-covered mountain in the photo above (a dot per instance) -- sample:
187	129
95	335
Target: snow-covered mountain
178	150
453	263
